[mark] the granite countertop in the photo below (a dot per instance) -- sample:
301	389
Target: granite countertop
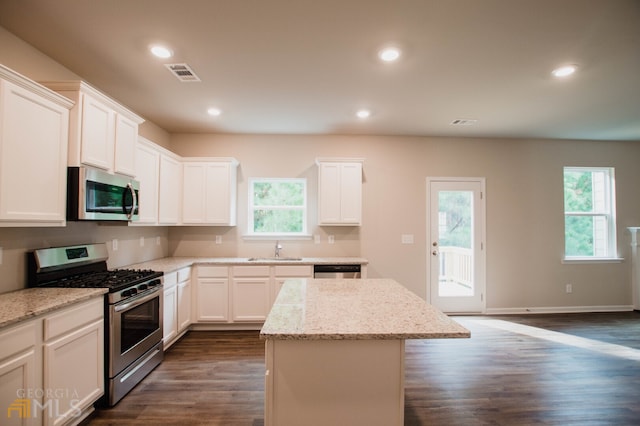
323	309
21	305
170	264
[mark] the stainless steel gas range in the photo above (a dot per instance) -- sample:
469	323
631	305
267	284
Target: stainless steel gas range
133	309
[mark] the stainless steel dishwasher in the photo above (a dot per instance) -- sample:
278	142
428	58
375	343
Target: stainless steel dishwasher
337	271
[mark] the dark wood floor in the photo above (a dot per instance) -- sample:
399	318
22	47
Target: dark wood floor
498	377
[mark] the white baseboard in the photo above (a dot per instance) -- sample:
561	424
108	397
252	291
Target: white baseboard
559	309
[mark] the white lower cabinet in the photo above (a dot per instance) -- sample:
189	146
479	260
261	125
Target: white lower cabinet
52	367
240	294
176	305
73	361
211	299
19	372
251	293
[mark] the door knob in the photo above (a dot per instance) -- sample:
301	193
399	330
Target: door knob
435	244
435	252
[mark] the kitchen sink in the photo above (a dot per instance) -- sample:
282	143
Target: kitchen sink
275	259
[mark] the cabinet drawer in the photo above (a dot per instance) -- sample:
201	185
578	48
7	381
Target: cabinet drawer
72	318
17	340
213	271
293	271
170	279
251	271
184	274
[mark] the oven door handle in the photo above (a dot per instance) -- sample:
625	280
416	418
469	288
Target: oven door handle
137	301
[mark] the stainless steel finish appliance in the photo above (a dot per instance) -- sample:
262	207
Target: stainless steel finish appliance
133	309
337	271
94	194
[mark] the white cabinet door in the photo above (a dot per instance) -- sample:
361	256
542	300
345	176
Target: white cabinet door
340	193
251	298
212	300
148	174
221	193
170	318
184	305
209	192
18	370
33	158
73	355
170	190
97	135
126	139
74	362
193	193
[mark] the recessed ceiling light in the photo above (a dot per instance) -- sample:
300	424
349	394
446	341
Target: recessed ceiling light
363	113
214	112
389	54
564	71
161	51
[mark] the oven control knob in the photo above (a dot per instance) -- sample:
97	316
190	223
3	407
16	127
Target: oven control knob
133	291
142	287
126	293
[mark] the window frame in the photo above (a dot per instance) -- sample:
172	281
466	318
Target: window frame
251	210
609	213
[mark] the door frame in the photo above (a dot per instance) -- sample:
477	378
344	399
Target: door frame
480	260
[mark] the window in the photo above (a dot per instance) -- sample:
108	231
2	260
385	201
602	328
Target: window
589	213
277	207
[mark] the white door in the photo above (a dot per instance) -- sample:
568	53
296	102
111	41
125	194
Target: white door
456	212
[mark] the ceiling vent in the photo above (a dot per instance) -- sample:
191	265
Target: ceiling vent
183	72
463	122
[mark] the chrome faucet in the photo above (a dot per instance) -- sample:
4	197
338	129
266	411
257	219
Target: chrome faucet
278	248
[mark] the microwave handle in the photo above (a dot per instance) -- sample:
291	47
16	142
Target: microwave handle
135	202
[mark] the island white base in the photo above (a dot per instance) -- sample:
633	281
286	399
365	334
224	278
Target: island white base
334	382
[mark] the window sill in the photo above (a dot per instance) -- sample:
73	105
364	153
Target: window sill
572	260
272	237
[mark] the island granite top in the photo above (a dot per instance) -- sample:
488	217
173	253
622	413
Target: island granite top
23	304
356	309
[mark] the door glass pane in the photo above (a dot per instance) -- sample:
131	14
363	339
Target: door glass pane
455	243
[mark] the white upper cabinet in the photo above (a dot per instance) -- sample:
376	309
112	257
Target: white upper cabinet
209	191
148	174
102	132
339	192
170	189
34	129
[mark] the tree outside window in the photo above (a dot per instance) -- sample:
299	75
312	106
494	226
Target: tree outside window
277	206
589	206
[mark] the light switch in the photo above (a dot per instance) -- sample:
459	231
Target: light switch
157	241
331	239
316	239
0	255
114	244
141	241
218	239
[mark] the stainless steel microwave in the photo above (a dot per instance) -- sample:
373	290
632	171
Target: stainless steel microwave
94	194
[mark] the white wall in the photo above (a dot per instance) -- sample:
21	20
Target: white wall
524	208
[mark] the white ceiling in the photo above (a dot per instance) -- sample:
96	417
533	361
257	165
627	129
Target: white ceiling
306	66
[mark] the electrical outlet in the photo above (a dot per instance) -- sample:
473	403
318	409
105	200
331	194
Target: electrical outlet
569	288
316	239
406	238
331	239
114	244
218	239
158	241
0	255
141	241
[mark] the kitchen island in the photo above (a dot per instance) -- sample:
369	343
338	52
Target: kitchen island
334	350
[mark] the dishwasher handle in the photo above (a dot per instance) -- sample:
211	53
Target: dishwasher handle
339	268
